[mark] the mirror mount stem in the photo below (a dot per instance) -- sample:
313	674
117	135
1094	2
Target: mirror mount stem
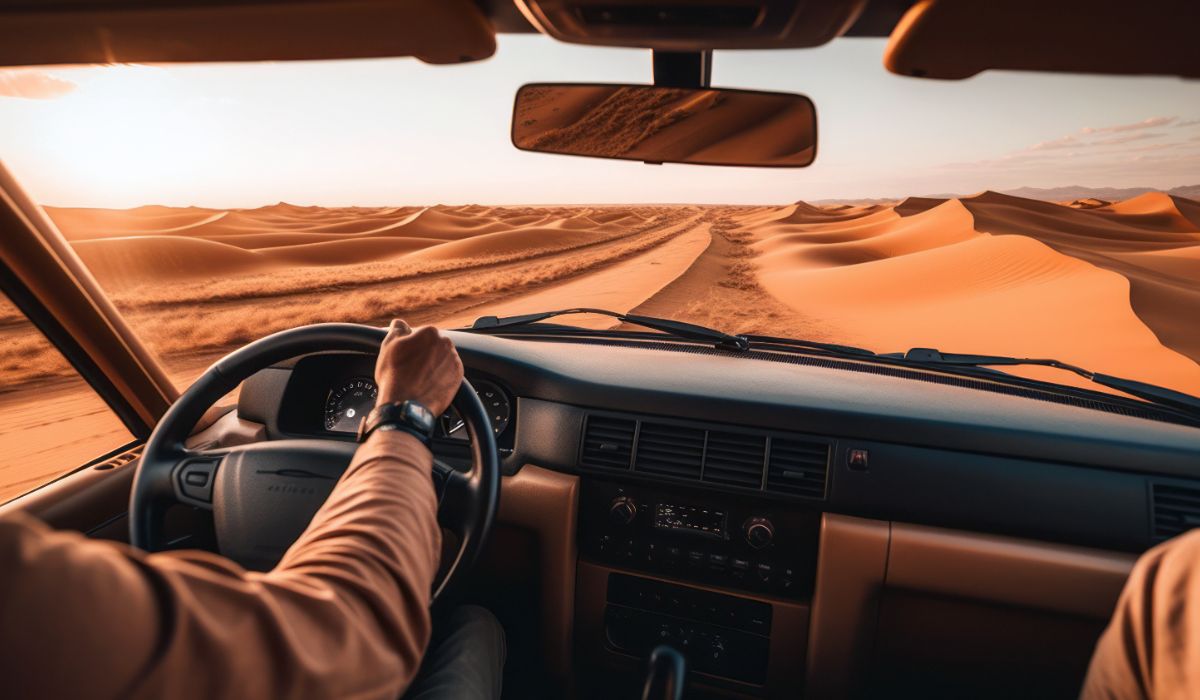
683	69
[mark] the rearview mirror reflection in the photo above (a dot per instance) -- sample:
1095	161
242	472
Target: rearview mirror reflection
654	124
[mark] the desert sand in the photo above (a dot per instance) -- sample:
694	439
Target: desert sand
1111	286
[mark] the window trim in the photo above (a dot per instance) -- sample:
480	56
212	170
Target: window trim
49	283
80	361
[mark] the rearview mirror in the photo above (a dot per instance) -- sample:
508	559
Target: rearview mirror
701	126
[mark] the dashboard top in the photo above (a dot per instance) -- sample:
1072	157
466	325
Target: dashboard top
941	454
831	402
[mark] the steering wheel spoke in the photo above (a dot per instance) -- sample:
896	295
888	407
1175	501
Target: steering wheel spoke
455	493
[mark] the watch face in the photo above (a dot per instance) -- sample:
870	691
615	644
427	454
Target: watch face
419	416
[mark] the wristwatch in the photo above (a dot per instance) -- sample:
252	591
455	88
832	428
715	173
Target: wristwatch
408	416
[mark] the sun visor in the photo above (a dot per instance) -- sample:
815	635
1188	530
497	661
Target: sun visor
693	25
152	31
955	39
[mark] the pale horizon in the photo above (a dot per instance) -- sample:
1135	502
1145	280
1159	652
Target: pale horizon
396	132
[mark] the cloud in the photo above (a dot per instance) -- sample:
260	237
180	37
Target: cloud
1064	142
1187	122
1135	126
33	85
1126	139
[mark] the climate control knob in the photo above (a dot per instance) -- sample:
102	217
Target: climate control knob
759	532
622	511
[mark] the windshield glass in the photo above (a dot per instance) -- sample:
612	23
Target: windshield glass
1017	214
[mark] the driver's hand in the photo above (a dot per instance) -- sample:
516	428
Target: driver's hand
418	365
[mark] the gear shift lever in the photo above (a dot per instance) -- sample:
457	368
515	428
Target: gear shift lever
665	674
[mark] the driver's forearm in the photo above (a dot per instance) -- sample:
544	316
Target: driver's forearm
376	543
344	614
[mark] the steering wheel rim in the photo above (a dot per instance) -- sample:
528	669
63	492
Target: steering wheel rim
157	483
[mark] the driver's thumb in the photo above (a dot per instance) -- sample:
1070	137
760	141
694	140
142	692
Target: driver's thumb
399	328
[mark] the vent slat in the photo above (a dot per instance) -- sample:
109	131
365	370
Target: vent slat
608	442
735	459
798	468
671	450
1175	509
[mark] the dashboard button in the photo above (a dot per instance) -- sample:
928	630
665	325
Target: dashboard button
196	479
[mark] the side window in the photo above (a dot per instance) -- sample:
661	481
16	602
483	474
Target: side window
51	420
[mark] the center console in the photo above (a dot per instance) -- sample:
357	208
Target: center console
726	579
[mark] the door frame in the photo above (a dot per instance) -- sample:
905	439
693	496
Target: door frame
45	278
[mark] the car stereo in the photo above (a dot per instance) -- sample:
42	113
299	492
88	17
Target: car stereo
707	522
733	541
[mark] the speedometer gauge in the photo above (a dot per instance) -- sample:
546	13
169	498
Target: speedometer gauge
495	403
348	404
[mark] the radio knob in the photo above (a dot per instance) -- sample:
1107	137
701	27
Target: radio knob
622	511
759	532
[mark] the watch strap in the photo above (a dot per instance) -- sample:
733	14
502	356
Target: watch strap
410	415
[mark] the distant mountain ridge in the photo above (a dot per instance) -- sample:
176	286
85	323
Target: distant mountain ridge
1048	194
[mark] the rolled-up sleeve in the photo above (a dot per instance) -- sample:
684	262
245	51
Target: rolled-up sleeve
345	614
1151	648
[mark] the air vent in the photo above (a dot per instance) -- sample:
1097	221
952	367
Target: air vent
735	459
608	442
798	467
1175	509
670	450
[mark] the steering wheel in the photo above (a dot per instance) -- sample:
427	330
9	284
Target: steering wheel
263	495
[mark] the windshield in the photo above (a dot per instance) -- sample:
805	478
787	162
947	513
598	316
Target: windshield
1016	214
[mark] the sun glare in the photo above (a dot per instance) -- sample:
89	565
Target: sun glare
126	129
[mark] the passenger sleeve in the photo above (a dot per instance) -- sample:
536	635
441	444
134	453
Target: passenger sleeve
345	614
1151	648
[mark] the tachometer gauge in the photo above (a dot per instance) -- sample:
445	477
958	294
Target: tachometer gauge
348	404
495	403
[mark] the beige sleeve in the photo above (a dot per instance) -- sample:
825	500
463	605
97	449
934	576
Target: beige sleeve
345	614
1151	648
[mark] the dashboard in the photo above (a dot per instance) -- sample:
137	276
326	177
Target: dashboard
709	487
938	453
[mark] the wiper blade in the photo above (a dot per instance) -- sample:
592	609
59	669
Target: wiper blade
1148	392
836	348
678	329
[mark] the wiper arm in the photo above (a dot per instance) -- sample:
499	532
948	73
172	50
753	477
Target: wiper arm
678	329
836	348
1149	392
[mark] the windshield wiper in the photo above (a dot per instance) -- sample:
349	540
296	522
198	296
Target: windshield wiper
679	329
1148	392
765	341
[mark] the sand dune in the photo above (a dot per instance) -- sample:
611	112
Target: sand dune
1088	203
155	258
1112	286
1158	211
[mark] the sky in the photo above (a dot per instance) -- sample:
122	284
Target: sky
396	131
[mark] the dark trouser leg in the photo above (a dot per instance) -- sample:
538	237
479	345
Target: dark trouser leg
465	660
